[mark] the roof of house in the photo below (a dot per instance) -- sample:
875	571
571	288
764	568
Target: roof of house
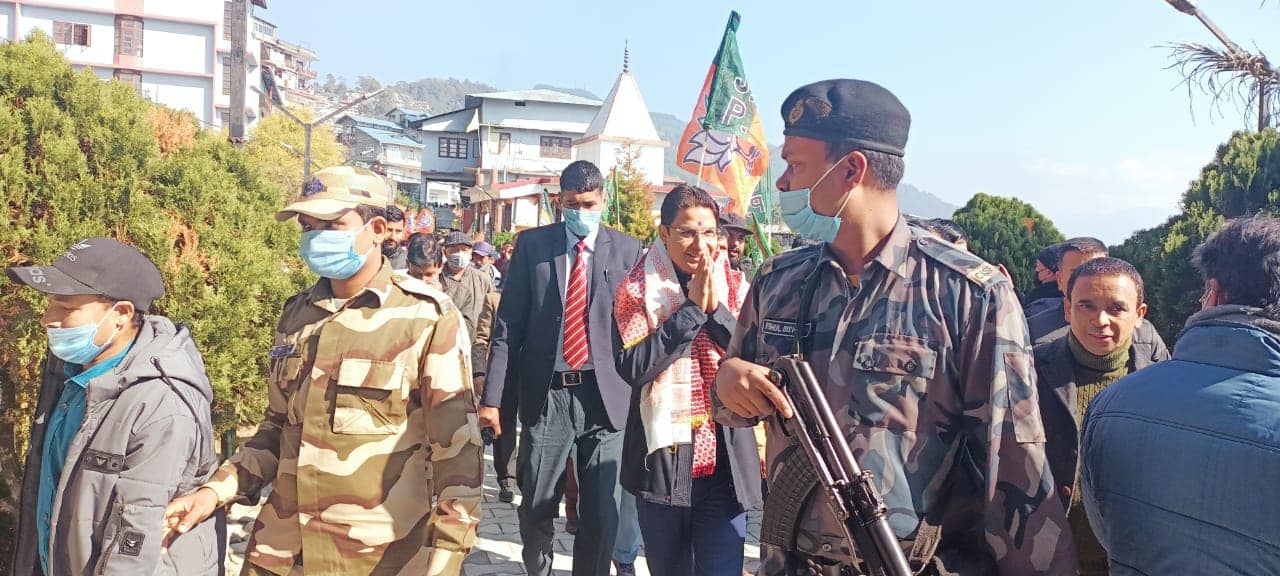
624	116
389	137
370	122
410	112
539	95
463	120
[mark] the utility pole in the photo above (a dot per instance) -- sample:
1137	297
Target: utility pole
239	72
1189	8
308	126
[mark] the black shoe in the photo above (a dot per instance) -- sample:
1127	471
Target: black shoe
627	569
571	526
505	495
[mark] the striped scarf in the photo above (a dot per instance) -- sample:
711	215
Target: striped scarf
676	406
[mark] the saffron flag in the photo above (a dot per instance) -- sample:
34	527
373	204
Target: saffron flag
724	143
426	221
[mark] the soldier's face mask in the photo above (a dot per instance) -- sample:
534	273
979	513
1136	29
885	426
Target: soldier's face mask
332	253
800	217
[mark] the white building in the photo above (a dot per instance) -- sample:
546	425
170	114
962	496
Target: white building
175	52
287	64
624	122
504	136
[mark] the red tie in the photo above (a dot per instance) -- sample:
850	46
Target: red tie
575	312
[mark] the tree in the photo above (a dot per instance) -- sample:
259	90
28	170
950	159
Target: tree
630	201
79	158
1243	179
277	143
1007	231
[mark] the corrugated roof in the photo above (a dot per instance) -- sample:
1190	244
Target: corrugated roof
410	112
371	122
457	121
539	95
389	137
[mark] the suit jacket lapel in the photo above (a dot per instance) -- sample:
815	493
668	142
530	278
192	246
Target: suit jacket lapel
558	255
599	260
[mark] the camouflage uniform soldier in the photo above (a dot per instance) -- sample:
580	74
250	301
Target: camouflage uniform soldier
922	350
370	439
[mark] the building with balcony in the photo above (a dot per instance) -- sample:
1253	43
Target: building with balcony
174	52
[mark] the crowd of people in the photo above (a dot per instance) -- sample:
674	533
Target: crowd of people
1051	432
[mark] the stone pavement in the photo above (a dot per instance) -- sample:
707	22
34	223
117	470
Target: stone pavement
497	552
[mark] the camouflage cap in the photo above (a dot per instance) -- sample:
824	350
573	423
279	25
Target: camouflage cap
332	191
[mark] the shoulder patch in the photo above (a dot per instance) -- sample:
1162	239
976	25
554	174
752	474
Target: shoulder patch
977	270
790	259
419	288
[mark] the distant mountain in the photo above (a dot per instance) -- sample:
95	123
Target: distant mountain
912	200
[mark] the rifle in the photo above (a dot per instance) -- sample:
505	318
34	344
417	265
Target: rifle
849	489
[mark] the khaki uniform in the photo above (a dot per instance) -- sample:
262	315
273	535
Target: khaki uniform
369	440
927	366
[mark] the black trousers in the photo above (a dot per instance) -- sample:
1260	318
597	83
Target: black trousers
574	421
504	449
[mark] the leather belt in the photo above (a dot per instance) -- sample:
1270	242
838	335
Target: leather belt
571	379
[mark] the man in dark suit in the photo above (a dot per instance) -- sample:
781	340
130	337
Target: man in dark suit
554	337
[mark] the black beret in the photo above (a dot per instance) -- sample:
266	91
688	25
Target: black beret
853	111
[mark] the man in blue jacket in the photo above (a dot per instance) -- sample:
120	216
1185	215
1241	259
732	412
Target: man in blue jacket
1180	460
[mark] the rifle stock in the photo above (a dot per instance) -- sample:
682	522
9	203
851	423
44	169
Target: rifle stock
851	491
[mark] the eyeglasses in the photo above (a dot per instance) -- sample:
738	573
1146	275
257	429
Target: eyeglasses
691	234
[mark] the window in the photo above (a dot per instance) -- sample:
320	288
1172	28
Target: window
556	147
71	34
453	147
225	118
499	142
131	78
228	19
129	35
226	77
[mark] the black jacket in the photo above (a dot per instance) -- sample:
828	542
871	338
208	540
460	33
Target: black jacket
665	476
531	314
1056	387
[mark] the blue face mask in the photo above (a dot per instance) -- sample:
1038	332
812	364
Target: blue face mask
582	223
75	345
801	218
332	253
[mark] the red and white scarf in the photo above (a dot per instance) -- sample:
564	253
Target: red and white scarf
676	406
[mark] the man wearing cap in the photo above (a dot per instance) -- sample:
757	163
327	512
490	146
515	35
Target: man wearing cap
122	424
922	350
369	440
463	282
482	258
736	228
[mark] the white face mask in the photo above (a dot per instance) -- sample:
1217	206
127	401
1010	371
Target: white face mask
459	260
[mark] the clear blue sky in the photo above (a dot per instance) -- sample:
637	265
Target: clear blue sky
1064	104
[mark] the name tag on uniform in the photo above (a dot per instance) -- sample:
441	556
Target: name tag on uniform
282	350
784	328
